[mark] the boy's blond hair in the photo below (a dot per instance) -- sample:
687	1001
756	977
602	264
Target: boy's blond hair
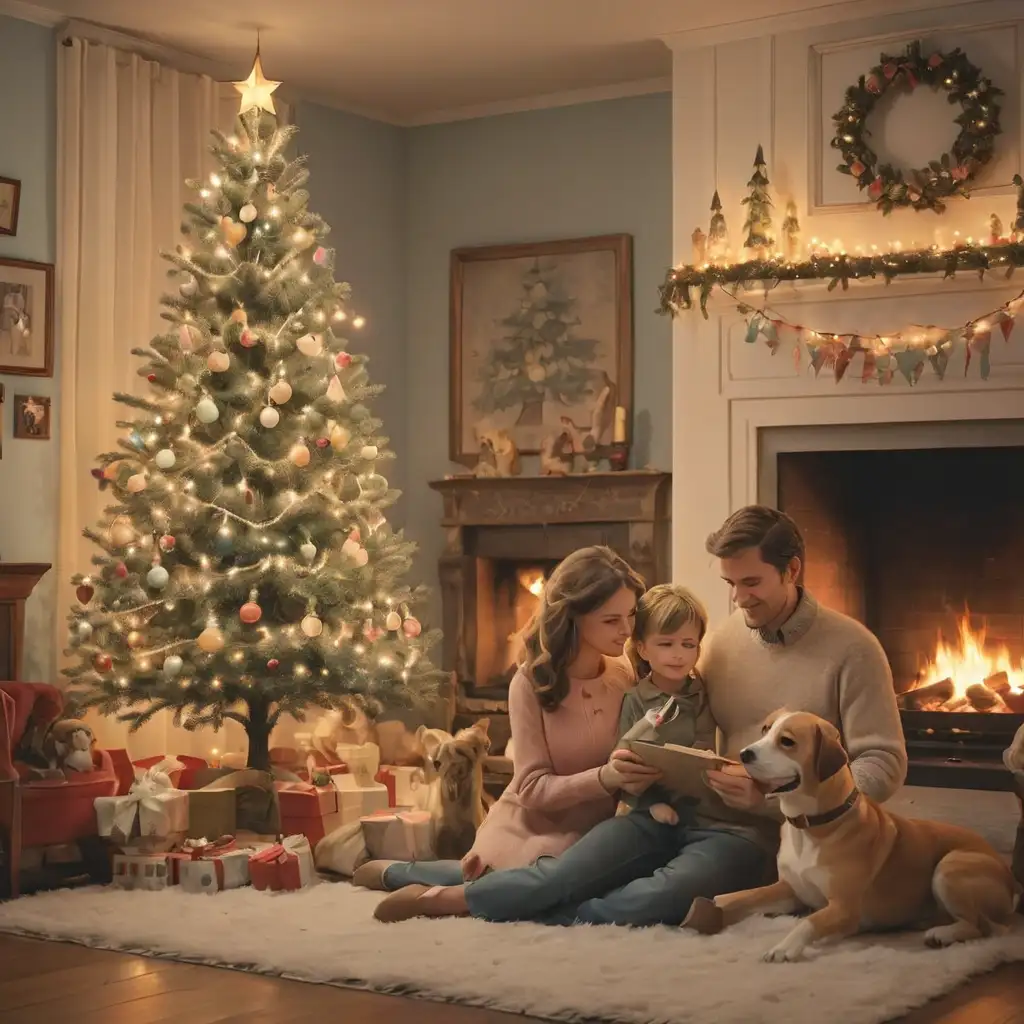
664	609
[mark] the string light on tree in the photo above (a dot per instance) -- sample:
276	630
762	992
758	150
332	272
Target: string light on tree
250	539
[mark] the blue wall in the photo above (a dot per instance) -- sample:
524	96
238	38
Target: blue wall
28	470
566	172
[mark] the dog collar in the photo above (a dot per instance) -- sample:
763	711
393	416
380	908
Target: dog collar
811	820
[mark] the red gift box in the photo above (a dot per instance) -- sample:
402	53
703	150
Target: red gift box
308	810
195	850
283	867
386	778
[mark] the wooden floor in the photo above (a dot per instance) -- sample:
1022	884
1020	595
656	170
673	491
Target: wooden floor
49	981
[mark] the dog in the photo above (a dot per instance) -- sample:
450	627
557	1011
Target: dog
852	863
459	763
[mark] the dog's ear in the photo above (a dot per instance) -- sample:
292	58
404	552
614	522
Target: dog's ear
482	725
829	755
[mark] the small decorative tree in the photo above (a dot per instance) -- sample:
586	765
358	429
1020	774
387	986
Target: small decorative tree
758	224
718	233
791	232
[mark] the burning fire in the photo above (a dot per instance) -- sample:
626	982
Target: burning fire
532	580
968	676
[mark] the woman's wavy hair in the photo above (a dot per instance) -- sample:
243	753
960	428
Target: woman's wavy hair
662	611
549	642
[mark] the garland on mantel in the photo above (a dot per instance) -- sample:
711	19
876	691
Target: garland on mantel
677	290
905	352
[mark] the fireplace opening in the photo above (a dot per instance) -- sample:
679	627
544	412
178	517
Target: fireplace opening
926	548
508	592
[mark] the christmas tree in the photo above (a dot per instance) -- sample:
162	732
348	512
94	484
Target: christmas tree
245	568
718	234
758	224
539	357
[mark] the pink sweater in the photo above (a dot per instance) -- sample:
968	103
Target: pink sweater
555	795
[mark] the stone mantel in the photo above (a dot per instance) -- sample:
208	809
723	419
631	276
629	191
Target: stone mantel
630	496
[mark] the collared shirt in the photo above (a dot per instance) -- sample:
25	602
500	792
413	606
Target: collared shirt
801	620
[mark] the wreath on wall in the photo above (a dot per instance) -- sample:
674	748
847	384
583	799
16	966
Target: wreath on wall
923	188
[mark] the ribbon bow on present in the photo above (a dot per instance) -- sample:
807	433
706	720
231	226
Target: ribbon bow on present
197	849
147	789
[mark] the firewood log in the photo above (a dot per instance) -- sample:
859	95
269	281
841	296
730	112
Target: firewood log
980	697
1014	700
922	697
998	683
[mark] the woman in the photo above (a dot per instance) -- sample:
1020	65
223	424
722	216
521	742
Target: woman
564	705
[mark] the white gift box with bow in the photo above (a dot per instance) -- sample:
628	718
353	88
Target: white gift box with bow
152	815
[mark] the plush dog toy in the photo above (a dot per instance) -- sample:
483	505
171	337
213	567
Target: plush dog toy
69	745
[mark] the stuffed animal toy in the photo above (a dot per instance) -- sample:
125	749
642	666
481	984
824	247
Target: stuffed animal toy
69	745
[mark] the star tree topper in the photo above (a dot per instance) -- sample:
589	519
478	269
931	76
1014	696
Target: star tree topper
256	90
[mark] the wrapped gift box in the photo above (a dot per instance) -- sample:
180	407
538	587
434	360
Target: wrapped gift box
141	871
308	810
152	816
284	867
224	869
399	835
196	849
221	802
358	793
410	784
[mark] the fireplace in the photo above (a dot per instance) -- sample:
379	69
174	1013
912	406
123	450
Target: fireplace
925	546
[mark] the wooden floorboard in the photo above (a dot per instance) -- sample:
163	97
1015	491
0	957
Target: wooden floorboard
51	981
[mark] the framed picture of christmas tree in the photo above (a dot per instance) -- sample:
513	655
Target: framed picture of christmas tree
541	341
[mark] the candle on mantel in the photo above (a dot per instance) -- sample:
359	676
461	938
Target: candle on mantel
619	434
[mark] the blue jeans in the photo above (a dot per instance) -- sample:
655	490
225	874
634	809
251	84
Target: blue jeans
629	870
422	872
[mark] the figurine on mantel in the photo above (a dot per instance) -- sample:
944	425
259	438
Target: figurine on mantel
556	454
499	455
699	240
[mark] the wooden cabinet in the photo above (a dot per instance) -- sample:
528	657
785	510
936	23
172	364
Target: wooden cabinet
17	581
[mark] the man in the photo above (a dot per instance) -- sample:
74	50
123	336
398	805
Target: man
780	648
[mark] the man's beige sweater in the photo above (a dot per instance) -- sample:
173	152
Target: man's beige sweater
819	661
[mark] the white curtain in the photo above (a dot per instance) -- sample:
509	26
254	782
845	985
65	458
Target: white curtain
130	131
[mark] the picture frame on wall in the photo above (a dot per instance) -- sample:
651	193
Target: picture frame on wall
31	418
541	342
26	318
10	197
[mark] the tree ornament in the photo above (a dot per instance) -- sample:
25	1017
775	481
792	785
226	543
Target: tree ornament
340	437
393	622
247	339
84	593
188	337
351	548
121	571
188	287
256	91
164	459
103	662
335	392
273	664
299	456
270	417
250	612
157	577
121	533
207	411
308	551
239	316
218	362
134	639
923	188
233	232
135	483
172	665
248	213
411	627
322	442
371	632
83	629
310	345
211	640
311	626
320	256
110	472
151	377
699	242
368	452
342	360
280	392
758	224
166	542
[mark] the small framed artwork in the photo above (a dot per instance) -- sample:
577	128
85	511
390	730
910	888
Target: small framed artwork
26	318
10	195
541	343
31	418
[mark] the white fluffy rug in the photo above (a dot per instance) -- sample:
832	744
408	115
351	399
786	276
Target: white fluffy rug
326	934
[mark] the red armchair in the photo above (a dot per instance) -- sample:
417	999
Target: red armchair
43	812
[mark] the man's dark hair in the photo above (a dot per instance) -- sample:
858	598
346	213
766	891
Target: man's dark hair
773	533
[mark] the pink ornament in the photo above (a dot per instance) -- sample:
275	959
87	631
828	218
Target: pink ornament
411	627
250	612
166	542
320	256
273	664
342	360
322	442
354	534
121	570
103	662
247	339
